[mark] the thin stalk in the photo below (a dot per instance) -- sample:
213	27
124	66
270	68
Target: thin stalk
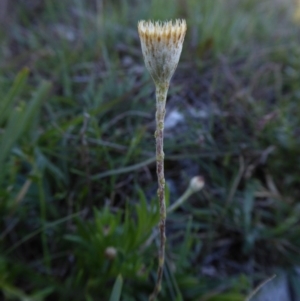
85	158
181	200
161	95
43	222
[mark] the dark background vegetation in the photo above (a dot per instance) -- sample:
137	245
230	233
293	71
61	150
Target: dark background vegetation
77	169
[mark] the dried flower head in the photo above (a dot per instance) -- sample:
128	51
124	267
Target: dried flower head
161	46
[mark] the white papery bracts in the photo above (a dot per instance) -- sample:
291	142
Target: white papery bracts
161	46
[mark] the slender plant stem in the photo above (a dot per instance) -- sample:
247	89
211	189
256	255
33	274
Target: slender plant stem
181	200
85	158
42	197
161	95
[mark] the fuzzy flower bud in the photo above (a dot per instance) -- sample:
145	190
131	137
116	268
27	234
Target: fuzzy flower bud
161	46
196	183
110	253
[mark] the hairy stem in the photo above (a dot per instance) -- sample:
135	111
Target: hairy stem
161	95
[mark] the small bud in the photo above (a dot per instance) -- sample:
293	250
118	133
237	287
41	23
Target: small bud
110	253
161	46
197	183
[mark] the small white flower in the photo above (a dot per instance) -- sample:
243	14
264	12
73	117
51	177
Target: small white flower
161	46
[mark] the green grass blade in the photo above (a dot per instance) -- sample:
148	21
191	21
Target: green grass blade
16	89
117	289
19	121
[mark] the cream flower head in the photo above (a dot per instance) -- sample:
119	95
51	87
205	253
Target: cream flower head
161	46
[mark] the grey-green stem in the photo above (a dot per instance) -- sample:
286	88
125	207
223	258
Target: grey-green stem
161	96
